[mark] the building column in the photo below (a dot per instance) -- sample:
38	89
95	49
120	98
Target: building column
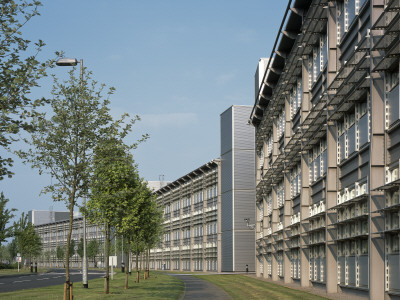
331	176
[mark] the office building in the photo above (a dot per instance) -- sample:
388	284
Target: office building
326	116
205	210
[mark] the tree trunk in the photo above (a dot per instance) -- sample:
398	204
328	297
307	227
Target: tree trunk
127	266
148	262
137	263
107	254
67	295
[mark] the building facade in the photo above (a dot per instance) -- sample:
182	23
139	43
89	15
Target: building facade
191	239
327	144
237	190
205	211
54	234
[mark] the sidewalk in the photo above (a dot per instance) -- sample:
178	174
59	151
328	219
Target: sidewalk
196	288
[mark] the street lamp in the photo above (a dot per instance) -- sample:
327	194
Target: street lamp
63	62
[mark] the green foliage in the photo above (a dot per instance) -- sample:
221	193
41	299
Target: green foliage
12	248
80	248
63	141
47	255
5	216
20	71
60	253
71	251
93	248
113	186
28	241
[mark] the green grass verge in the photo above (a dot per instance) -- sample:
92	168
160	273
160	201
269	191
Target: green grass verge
244	287
158	286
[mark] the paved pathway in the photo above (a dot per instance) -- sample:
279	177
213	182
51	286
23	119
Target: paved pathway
196	288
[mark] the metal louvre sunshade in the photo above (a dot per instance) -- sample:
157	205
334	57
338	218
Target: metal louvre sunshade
389	58
390	36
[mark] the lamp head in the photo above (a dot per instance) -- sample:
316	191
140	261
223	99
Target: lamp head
67	62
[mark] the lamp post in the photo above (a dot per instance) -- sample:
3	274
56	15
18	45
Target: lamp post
73	62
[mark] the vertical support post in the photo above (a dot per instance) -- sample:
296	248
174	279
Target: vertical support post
331	176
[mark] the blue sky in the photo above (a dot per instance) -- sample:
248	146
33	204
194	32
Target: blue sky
177	64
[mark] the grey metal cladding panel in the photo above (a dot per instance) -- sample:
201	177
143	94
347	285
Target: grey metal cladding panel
349	179
227	251
364	157
245	207
350	166
317	187
394	154
393	102
244	172
226	131
364	171
317	197
244	135
394	137
363	129
226	172
244	250
226	211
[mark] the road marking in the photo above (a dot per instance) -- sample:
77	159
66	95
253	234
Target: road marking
20	281
2	283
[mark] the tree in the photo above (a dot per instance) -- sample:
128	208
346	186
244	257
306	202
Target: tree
115	179
28	241
20	71
5	216
93	248
12	248
151	225
80	248
60	253
71	248
62	143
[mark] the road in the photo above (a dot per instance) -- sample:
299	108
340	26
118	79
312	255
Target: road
56	276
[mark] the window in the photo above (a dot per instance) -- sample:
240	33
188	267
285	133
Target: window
176	205
280	124
295	181
186	201
353	131
296	98
198	230
198	197
319	59
317	160
392	95
268	199
280	193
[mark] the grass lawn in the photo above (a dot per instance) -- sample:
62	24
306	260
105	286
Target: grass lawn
158	286
244	287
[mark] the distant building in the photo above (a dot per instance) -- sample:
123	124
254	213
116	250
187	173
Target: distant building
54	234
156	185
205	210
38	217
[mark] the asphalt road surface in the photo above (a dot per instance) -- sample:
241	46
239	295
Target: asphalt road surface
56	276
